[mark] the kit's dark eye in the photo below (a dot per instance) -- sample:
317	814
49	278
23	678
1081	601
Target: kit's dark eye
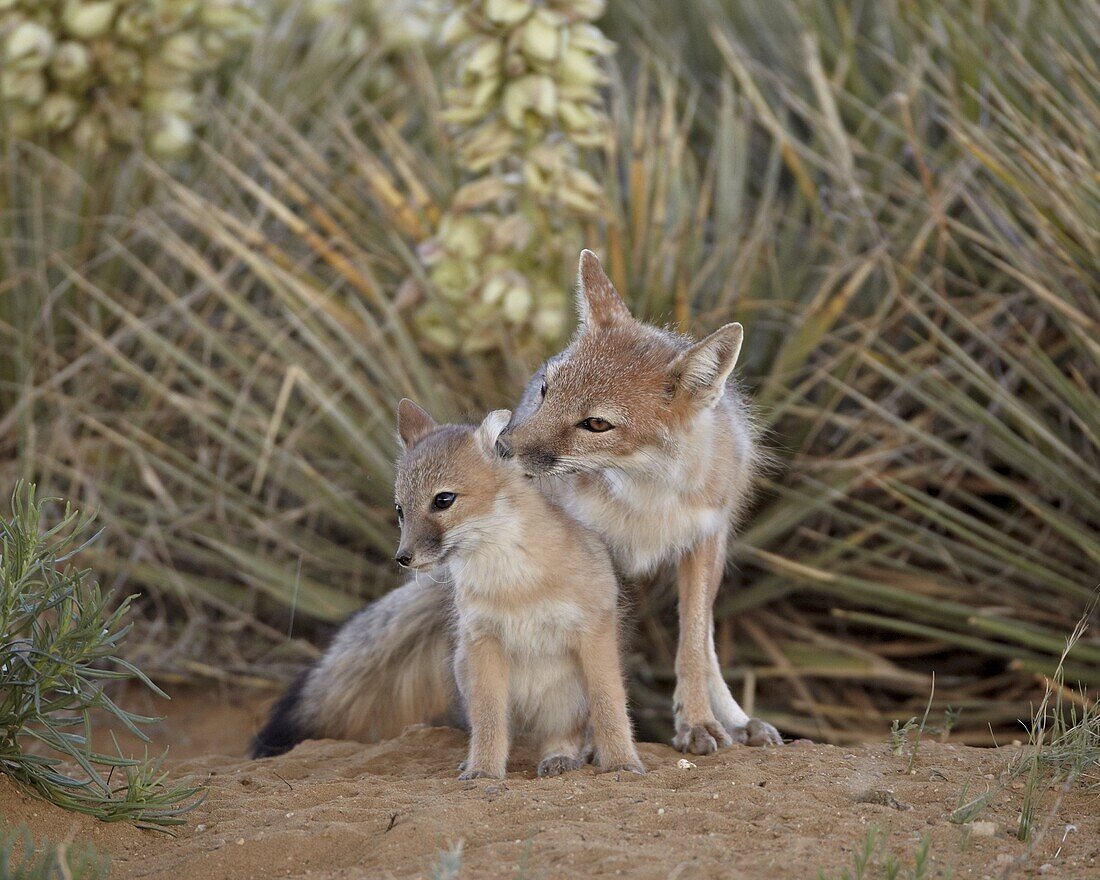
542	390
400	514
596	425
443	500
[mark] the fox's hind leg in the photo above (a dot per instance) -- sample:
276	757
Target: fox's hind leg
741	728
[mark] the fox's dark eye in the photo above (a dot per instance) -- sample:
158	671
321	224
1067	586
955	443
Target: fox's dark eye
596	425
400	513
542	390
443	500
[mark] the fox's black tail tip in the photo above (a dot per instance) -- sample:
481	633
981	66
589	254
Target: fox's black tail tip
284	728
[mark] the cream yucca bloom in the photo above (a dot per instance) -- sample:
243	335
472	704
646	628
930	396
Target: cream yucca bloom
353	25
524	100
91	74
28	46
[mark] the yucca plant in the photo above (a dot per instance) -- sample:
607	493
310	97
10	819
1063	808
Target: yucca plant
523	99
59	642
896	202
84	75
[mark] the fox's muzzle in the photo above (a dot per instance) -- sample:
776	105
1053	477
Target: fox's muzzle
537	462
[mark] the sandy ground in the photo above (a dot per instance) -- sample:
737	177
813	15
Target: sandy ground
345	810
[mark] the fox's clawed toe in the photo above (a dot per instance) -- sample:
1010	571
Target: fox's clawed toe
556	765
479	774
756	733
701	739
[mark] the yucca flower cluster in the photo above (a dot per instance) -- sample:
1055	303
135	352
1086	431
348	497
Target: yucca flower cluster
525	101
89	74
360	23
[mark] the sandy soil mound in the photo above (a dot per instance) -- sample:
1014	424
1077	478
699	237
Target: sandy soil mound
344	810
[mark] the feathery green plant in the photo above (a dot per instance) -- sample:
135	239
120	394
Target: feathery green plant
22	859
60	636
864	865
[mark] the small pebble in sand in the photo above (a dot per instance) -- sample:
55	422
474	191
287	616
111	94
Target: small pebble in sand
240	841
685	764
200	828
1045	867
983	829
660	811
290	815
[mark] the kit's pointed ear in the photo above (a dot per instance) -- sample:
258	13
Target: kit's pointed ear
488	432
598	303
413	422
701	371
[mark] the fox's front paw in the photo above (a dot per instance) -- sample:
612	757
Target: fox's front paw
701	739
556	765
479	774
756	733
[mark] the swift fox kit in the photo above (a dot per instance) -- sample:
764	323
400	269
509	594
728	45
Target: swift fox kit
514	624
535	598
636	432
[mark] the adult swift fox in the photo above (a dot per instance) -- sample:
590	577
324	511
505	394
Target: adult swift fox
637	433
535	618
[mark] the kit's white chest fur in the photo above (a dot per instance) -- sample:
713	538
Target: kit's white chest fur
538	628
539	636
499	589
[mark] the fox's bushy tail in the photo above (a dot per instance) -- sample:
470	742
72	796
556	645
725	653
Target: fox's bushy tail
391	665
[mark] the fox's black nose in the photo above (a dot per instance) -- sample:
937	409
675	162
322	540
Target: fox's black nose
404	557
504	448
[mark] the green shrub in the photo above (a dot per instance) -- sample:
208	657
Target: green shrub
60	636
21	859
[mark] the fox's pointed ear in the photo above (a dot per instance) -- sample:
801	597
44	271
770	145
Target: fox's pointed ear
703	369
488	432
413	422
598	303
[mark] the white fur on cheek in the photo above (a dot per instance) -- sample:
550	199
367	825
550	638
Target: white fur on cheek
644	506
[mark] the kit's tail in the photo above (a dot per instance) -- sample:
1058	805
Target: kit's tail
391	665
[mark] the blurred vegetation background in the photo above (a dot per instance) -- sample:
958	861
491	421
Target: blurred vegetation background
233	234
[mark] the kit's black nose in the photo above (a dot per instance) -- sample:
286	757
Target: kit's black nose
403	558
504	448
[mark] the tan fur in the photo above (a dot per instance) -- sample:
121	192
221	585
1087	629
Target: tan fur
667	483
535	599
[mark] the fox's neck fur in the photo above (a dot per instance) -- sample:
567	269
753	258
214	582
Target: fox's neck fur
651	509
497	552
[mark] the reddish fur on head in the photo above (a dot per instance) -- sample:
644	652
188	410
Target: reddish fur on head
644	381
